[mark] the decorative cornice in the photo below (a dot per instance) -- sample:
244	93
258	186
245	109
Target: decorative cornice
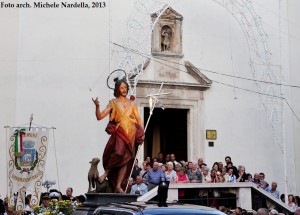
173	85
196	73
167	54
173	14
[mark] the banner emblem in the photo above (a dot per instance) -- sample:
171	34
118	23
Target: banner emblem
27	158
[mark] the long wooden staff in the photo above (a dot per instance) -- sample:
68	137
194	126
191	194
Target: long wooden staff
151	106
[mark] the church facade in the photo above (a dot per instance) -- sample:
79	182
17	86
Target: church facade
227	76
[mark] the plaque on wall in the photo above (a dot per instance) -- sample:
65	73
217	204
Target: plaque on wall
211	134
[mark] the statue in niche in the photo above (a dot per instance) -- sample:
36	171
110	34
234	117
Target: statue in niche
166	38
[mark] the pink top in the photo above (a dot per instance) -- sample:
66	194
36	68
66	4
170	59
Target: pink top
183	178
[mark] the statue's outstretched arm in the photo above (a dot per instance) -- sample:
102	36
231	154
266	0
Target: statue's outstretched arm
100	115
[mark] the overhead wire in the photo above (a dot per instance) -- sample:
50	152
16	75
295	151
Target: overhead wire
206	70
265	94
234	76
218	82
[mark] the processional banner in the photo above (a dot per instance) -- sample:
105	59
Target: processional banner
26	163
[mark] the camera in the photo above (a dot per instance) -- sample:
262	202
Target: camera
47	183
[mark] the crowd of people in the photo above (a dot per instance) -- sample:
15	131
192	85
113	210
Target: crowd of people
167	168
45	200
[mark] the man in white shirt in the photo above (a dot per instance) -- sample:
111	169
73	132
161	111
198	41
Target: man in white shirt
139	187
274	190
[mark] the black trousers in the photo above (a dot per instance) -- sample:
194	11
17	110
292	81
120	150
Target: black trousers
162	193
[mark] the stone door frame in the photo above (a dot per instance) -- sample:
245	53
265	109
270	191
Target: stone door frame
195	128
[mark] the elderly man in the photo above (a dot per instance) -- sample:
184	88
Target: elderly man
200	161
154	176
273	190
256	180
262	211
139	187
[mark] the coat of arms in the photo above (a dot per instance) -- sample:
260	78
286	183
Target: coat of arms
29	158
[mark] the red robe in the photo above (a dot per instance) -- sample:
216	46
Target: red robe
121	147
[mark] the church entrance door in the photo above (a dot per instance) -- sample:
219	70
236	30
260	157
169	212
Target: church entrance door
166	132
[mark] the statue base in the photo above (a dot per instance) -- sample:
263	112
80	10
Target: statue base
95	200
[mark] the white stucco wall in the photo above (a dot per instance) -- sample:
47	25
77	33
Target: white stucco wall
51	57
8	73
246	136
294	53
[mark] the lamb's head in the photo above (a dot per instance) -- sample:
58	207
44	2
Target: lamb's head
95	161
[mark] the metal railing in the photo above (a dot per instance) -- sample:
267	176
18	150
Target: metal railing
245	195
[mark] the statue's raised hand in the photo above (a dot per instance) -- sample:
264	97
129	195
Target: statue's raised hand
96	101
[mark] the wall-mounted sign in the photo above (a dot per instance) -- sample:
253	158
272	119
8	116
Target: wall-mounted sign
211	134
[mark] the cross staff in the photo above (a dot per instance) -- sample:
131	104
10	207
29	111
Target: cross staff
152	102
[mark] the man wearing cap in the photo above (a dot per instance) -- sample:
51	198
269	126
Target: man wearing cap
45	200
55	195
